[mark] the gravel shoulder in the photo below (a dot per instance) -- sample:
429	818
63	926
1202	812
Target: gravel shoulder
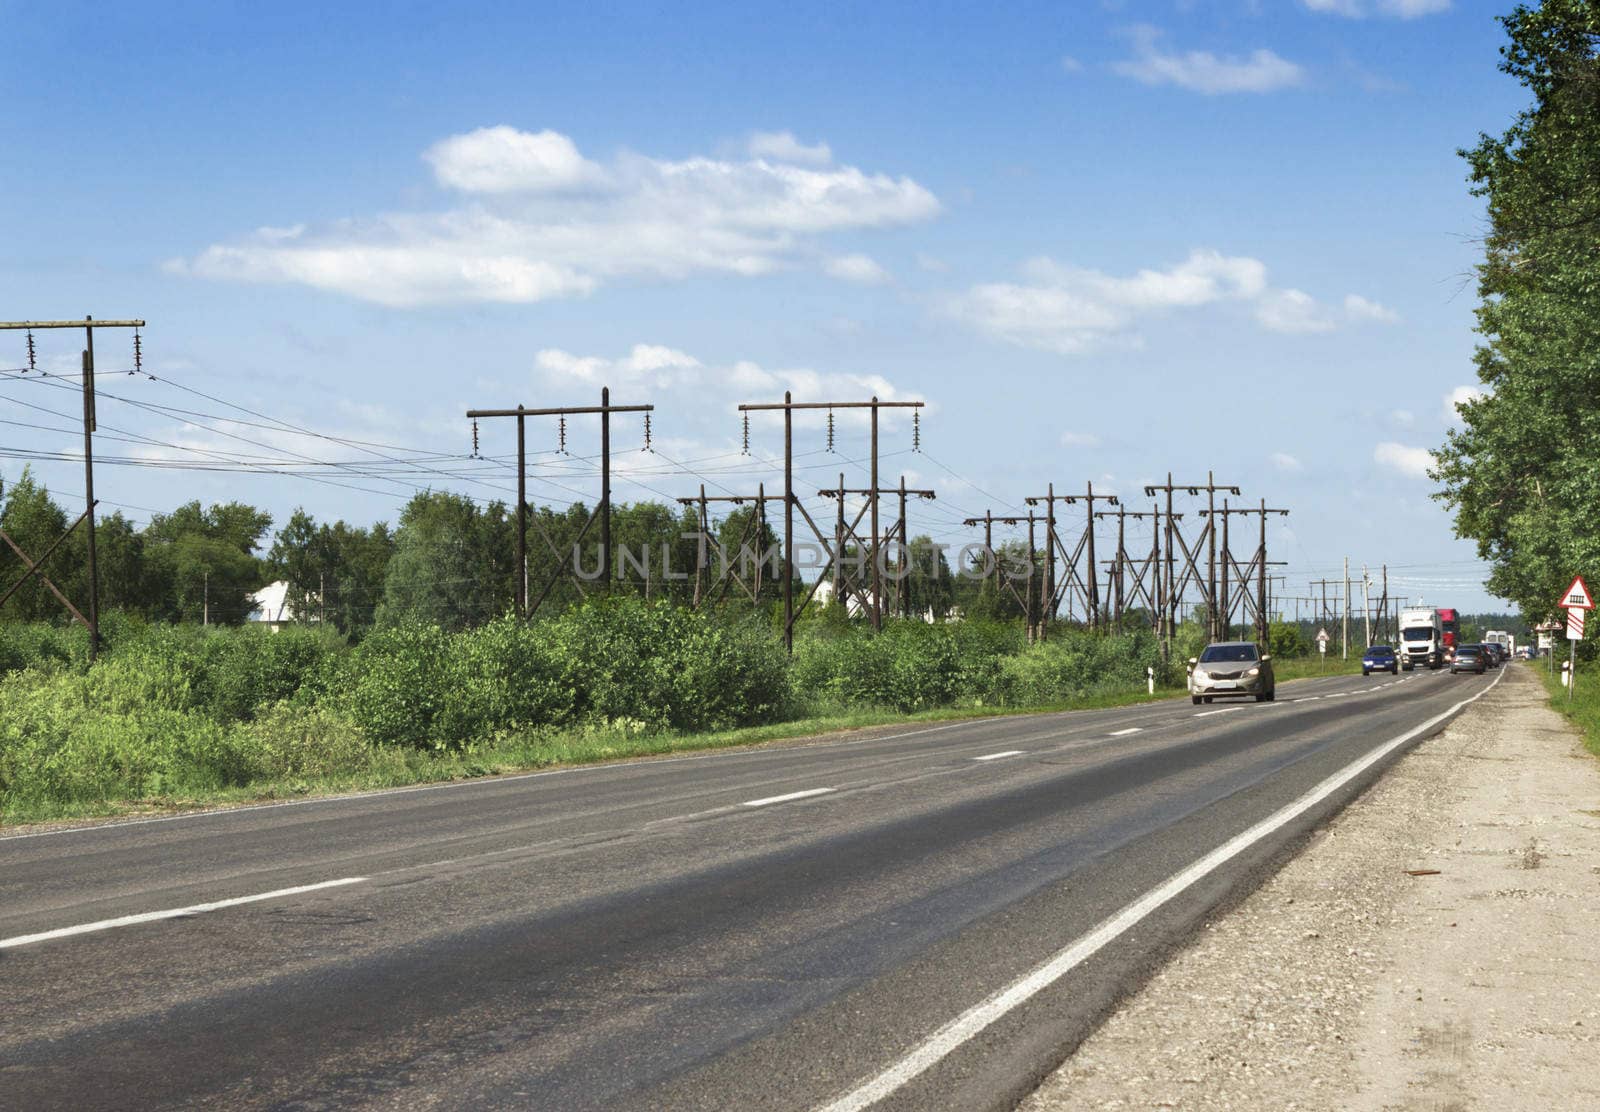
1346	982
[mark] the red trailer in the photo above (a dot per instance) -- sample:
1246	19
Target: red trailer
1452	629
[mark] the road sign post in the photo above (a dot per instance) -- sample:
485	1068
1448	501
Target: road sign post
1322	646
1576	599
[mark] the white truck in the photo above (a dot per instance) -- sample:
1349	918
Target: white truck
1421	639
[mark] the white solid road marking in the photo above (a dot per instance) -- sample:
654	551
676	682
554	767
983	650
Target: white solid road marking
1125	733
997	756
1224	710
808	793
174	913
975	1019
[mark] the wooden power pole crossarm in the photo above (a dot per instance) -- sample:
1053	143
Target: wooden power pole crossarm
605	409
789	406
88	324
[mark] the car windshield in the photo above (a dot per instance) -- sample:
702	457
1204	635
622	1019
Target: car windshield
1467	650
1228	654
1380	650
1423	633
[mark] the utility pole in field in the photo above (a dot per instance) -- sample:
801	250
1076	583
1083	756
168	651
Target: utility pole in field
88	324
1366	602
1345	632
898	530
1208	584
603	511
789	406
1025	600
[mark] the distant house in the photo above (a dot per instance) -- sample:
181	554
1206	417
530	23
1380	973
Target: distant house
270	606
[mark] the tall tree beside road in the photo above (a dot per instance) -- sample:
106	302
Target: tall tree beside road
452	565
1521	472
335	572
33	521
203	562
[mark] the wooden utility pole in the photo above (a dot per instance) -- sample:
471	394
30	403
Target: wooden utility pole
789	406
1258	565
605	409
898	530
1025	600
1174	591
88	324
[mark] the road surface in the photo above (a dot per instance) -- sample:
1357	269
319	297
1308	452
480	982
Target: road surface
927	918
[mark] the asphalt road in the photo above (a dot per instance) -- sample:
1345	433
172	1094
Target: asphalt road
683	933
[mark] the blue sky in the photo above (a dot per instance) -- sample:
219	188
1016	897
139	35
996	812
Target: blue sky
1102	240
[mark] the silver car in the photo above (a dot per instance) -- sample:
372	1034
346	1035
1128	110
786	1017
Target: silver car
1231	668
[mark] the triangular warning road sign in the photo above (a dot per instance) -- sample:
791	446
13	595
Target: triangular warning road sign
1577	596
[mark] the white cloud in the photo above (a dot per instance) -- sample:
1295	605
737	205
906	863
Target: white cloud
1361	9
646	364
667	369
1201	71
856	268
536	220
782	146
1292	311
932	263
1283	461
1357	307
1069	64
1408	461
1403	417
1080	440
504	160
1070	310
1457	397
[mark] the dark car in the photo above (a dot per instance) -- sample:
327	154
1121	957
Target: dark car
1470	658
1380	658
1491	654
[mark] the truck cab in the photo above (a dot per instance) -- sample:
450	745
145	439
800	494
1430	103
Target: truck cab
1421	639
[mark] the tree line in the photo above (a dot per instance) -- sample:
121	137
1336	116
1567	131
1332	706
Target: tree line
1521	473
447	561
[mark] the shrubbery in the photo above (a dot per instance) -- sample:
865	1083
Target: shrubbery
175	710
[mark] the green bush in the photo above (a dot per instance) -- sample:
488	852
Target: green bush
291	741
909	666
251	668
401	684
1074	664
69	739
505	677
670	667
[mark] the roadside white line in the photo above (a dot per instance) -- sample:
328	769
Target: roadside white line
1125	733
1223	710
807	794
1336	694
997	756
174	913
975	1019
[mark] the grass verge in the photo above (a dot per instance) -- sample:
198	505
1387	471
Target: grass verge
1583	708
396	767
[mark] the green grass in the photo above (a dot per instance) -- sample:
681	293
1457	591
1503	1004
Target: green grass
1309	668
393	766
1583	708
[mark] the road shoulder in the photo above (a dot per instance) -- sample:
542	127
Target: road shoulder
1346	982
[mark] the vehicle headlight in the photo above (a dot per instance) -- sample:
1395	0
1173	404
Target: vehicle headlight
1256	671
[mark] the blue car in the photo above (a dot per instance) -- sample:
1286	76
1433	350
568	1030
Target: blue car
1380	658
